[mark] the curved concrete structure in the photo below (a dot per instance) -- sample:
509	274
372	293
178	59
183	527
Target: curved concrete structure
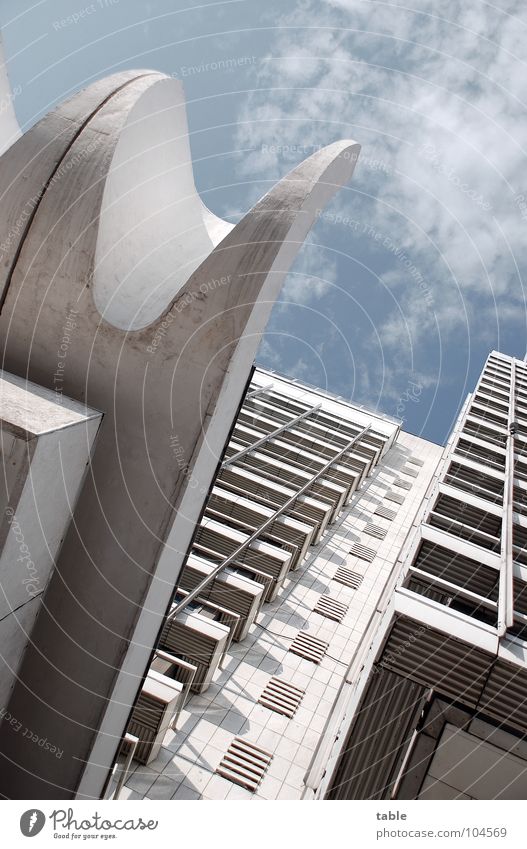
163	357
155	231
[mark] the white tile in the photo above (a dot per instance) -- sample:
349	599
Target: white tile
300	679
288	792
127	794
244	670
260	677
177	768
217	788
279	767
238	793
304	717
303	757
294	732
252	689
185	792
269	788
198	778
209	757
164	757
251	729
234	721
311	739
323	674
295	776
269	740
316	688
277	722
142	779
221	739
191	748
204	730
317	723
259	714
163	788
287	749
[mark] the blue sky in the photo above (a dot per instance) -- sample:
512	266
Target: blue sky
416	269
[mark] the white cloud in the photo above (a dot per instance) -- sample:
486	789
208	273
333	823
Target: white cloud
437	98
313	275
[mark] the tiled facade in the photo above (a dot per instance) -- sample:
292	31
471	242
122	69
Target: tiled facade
393	478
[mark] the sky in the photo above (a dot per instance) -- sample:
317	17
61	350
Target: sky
415	271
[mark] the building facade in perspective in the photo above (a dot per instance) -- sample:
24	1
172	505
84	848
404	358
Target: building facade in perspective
377	587
439	711
299	538
219	583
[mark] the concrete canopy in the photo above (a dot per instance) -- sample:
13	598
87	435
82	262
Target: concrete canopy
164	354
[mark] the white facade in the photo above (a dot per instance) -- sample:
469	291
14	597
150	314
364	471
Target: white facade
445	685
324	602
390	662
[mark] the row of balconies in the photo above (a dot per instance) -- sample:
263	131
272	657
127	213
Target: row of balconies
468	504
247	493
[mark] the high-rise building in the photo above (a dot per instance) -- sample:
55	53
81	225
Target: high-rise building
377	587
299	539
334	609
439	709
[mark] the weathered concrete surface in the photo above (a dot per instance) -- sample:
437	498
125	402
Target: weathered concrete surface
181	376
45	446
154	229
